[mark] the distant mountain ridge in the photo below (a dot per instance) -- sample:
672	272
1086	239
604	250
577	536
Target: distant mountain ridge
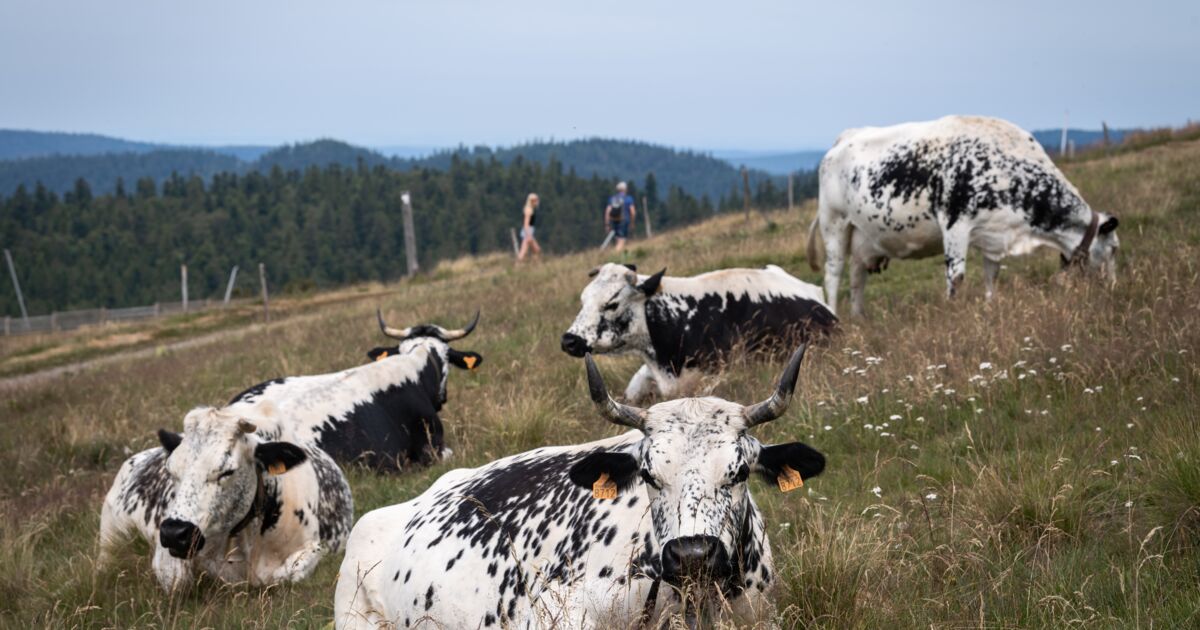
698	174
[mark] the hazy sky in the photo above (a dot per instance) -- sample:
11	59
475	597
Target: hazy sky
746	74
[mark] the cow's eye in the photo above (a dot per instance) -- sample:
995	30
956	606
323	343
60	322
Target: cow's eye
225	475
611	306
649	479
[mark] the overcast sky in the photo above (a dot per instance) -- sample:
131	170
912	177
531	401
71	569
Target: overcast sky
716	75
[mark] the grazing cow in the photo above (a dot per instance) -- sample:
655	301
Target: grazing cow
677	323
583	536
383	415
919	189
220	500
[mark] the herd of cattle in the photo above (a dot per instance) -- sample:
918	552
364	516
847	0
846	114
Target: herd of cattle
577	535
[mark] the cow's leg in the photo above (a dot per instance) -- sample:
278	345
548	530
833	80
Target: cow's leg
956	240
991	269
297	566
639	385
858	287
115	527
836	235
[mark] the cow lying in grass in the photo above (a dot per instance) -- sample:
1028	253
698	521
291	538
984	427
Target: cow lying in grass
383	415
940	187
220	500
584	536
678	323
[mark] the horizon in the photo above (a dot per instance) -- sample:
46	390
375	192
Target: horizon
766	77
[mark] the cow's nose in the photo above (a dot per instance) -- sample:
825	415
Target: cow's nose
693	557
181	538
574	345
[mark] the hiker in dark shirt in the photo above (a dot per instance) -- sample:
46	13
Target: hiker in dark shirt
619	215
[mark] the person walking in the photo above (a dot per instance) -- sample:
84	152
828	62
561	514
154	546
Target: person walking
619	215
528	241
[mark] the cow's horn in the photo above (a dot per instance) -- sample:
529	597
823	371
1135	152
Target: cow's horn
777	404
394	333
245	426
612	410
451	335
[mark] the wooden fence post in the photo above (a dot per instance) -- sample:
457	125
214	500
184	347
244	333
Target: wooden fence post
790	191
746	192
53	321
262	281
410	237
183	283
7	325
646	211
12	270
229	287
516	248
157	310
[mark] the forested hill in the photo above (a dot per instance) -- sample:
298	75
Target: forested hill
697	173
320	227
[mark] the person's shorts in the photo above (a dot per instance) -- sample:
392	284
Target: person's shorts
527	232
622	229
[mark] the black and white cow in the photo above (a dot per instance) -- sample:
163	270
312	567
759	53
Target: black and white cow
383	414
220	500
920	189
583	536
678	323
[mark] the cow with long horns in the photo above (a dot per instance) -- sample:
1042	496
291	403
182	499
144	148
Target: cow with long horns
383	414
657	520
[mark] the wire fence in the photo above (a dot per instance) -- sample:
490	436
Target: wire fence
71	320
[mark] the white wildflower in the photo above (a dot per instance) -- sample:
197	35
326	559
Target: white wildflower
862	400
877	491
985	366
932	496
895	416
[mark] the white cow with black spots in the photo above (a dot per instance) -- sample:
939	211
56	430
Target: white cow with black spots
676	323
924	188
584	536
220	500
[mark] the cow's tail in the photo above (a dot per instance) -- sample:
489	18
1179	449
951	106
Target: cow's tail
814	244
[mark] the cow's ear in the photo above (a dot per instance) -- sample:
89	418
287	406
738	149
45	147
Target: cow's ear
169	440
1109	225
465	360
279	457
630	267
788	465
652	284
605	473
380	353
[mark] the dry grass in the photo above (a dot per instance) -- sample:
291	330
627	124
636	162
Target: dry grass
1029	462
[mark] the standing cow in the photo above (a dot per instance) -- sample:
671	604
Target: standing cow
919	189
583	536
383	415
221	500
678	323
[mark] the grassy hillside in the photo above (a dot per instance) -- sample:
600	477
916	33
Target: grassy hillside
1028	462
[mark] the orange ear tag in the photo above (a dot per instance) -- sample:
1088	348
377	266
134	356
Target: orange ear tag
604	488
789	479
383	355
277	468
470	361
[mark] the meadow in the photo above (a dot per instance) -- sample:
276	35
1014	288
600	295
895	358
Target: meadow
1028	462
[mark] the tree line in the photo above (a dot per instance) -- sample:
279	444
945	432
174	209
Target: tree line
314	228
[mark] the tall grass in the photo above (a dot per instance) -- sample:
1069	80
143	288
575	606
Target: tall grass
1026	462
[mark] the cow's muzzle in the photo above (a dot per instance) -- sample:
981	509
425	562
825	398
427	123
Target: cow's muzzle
696	559
575	345
181	538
